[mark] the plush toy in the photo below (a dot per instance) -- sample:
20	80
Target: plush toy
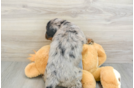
92	57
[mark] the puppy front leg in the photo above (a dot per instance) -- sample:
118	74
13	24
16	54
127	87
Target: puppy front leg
51	82
78	76
77	85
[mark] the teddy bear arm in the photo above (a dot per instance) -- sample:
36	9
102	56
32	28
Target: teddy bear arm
31	70
101	54
101	60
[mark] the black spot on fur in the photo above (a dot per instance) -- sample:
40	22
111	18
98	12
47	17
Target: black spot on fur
79	71
78	83
55	72
72	31
65	23
73	39
71	55
59	45
63	35
75	46
82	42
49	87
55	54
59	34
72	48
62	49
52	64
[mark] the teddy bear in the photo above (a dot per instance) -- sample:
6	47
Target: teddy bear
93	56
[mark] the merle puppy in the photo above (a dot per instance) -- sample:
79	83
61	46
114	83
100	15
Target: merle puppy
65	54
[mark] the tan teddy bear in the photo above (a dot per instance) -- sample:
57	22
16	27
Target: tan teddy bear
92	57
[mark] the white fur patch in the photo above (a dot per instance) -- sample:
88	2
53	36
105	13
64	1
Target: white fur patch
118	77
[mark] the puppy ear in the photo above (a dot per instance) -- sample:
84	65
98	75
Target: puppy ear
48	24
62	21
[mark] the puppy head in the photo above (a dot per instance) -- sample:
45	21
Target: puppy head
52	27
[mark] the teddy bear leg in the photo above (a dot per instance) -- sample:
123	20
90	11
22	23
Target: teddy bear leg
96	74
110	78
88	80
31	71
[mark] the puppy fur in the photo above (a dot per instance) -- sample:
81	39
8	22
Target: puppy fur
65	54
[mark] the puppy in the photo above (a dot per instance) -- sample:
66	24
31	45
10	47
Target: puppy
65	54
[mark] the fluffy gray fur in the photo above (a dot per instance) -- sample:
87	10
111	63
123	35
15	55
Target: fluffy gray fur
65	55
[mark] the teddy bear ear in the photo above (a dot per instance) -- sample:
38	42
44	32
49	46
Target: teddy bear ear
34	51
90	41
32	58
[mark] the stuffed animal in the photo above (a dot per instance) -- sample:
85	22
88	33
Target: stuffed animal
92	57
